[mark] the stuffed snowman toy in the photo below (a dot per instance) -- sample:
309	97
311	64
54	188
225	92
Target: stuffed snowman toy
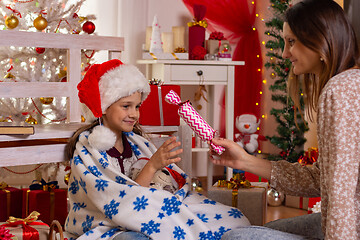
247	124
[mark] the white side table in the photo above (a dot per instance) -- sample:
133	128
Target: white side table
186	72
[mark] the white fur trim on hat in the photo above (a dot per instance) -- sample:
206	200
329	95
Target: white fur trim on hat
102	138
120	82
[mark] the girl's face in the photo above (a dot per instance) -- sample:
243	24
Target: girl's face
122	115
303	59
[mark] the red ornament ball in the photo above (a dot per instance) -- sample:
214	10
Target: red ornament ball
40	50
88	27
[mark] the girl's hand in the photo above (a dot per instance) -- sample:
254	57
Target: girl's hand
165	154
234	156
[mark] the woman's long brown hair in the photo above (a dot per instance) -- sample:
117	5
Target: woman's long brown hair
321	25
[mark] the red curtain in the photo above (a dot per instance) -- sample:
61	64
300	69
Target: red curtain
236	19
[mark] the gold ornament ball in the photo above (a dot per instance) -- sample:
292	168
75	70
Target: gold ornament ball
9	75
40	23
31	120
11	22
46	100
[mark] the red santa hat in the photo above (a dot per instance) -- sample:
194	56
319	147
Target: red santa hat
103	85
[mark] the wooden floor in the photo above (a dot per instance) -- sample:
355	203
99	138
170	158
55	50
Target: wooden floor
273	213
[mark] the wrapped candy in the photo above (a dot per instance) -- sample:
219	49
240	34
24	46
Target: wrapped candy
194	120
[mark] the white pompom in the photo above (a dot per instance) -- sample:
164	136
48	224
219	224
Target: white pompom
102	138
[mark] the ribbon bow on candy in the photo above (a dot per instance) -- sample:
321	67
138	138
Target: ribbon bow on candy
28	232
194	120
43	185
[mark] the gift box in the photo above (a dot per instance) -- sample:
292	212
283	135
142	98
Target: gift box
155	111
52	205
213	46
10	202
297	202
251	201
25	229
254	178
197	29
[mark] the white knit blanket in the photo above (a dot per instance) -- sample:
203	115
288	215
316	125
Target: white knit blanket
104	202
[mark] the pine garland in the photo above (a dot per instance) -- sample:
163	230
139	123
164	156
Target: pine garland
290	136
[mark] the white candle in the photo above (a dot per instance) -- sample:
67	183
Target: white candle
148	38
179	36
167	39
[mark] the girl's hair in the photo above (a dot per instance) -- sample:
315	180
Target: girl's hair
321	25
71	145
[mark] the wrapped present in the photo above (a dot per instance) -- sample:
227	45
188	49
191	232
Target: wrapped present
254	178
314	204
10	202
25	229
197	29
50	201
155	111
297	202
251	201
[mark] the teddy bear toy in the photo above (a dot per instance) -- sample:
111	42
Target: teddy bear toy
247	124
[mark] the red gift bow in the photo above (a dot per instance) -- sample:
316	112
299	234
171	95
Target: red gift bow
29	233
309	157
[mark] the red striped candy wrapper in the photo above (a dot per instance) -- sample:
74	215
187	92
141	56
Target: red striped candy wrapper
194	120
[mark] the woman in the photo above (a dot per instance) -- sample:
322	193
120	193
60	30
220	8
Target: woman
321	44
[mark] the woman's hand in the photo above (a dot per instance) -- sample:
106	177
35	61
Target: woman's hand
233	156
166	155
236	157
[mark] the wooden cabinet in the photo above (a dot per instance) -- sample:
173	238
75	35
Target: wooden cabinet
195	72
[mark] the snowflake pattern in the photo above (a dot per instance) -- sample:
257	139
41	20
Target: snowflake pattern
179	233
161	215
103	163
87	224
221	232
122	194
95	171
110	233
89	232
101	184
86	172
78	206
77	160
85	151
206	236
202	217
74	221
234	212
83	185
104	155
209	201
120	180
181	192
74	187
218	216
190	222
171	206
135	149
140	203
111	209
150	228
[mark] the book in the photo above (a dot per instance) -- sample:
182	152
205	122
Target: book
16	129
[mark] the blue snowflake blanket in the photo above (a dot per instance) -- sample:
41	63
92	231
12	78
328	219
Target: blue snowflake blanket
104	202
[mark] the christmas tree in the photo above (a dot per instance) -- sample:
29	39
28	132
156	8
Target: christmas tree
290	138
24	64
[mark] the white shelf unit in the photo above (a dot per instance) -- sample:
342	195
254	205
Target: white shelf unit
48	142
185	72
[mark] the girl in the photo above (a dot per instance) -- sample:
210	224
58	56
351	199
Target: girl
321	44
105	203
